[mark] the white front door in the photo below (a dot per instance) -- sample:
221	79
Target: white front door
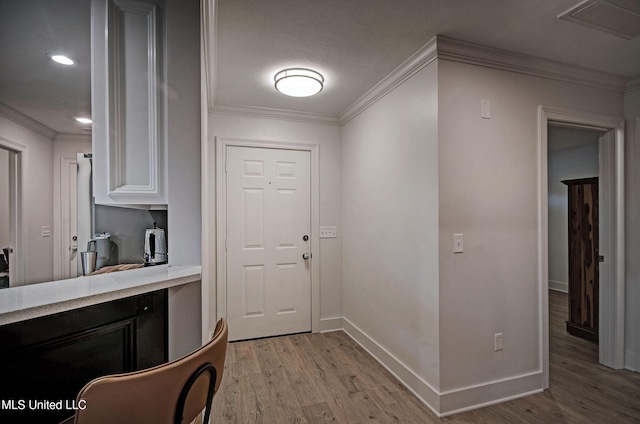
69	217
268	210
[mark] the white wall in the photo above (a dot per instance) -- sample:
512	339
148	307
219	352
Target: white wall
632	198
328	138
38	198
183	167
488	191
390	220
565	164
183	116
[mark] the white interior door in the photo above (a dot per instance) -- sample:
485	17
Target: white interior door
268	216
6	211
11	238
69	217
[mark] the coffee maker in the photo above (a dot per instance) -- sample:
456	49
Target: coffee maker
102	245
155	246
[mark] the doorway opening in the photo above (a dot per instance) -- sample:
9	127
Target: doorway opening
11	227
573	216
610	325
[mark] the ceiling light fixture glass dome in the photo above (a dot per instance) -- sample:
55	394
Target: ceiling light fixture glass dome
299	82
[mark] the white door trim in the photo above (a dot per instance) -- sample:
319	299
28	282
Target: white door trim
612	322
18	270
63	227
221	224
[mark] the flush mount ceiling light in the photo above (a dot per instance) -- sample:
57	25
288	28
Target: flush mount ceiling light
60	58
299	82
83	120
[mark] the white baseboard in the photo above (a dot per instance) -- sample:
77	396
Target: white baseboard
423	391
490	393
558	286
441	403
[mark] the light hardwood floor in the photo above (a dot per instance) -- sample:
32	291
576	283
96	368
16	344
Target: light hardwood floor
322	378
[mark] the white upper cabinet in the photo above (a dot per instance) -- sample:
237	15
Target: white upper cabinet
128	94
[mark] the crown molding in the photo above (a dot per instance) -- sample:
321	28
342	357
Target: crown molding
421	58
476	54
22	119
209	49
86	138
270	113
440	47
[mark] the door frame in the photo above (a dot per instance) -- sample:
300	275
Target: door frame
62	268
18	271
612	298
221	218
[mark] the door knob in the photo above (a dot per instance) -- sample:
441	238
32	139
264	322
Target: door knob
306	256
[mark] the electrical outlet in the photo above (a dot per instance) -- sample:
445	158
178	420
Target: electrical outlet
328	232
497	342
46	231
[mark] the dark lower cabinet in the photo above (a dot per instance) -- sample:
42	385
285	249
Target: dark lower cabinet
44	362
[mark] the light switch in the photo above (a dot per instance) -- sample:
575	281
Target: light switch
485	109
457	243
328	232
46	231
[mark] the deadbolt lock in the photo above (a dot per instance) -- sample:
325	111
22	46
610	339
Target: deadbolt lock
305	237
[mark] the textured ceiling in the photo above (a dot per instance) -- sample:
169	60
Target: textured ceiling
354	43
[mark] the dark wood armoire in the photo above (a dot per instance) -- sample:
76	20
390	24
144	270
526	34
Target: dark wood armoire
583	257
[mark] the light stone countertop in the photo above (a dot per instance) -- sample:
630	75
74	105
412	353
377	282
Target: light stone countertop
36	300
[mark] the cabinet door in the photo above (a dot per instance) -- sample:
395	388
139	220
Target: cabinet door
128	87
53	357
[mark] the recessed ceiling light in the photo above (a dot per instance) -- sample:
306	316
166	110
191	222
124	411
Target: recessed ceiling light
84	120
61	59
299	82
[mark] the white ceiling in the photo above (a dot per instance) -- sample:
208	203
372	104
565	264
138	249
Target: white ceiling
51	94
354	43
